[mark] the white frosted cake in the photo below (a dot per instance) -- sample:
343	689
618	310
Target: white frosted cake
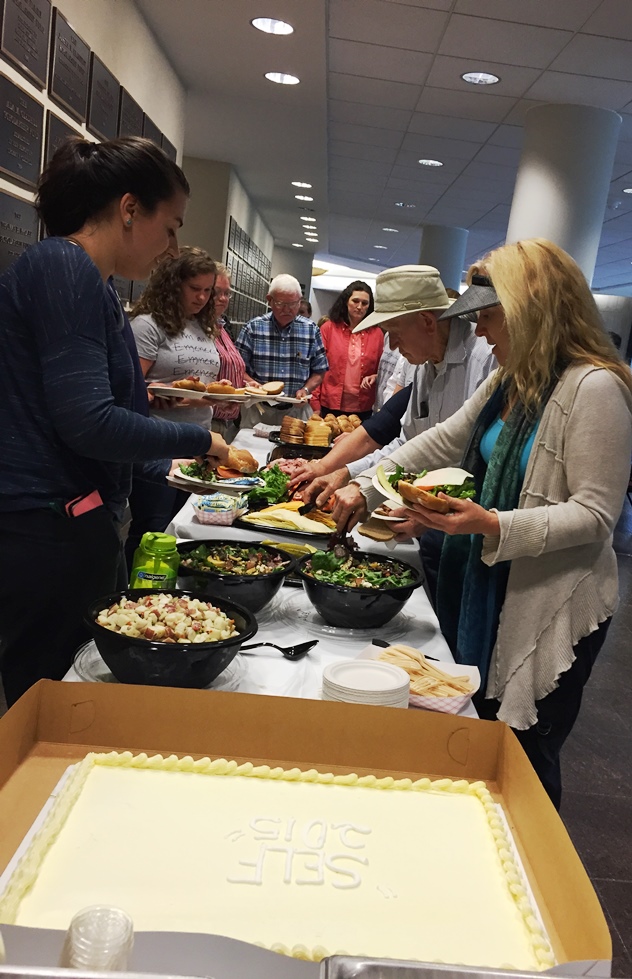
301	862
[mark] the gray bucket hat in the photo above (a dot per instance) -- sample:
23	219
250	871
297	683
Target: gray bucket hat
405	289
479	295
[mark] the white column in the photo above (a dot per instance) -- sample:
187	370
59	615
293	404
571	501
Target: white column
563	178
444	248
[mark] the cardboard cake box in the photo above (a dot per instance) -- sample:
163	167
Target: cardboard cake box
55	724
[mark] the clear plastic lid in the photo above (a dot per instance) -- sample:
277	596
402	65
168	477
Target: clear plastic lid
99	937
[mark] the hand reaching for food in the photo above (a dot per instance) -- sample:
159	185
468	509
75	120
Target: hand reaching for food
321	488
349	508
217	455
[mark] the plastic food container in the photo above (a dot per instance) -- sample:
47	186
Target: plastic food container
219	509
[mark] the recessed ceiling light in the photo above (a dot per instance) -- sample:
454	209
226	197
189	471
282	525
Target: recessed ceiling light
303	218
271	26
627	190
480	78
404	204
303	197
430	163
380	246
281	78
394	230
300	183
296	244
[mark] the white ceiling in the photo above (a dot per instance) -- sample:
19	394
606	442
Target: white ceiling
380	88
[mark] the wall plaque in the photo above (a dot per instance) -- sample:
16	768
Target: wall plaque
25	36
18	228
103	103
21	126
69	68
138	289
130	116
57	132
169	148
151	131
123	287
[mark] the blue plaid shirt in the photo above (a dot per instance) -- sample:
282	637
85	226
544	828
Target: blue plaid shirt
290	355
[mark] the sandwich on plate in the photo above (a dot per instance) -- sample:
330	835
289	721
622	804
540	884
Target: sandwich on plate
424	488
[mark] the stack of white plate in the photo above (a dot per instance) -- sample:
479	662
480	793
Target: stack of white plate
366	682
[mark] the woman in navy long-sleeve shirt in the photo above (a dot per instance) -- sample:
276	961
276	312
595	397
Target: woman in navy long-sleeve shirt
68	429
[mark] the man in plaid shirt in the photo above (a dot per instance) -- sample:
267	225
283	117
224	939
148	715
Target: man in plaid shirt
283	346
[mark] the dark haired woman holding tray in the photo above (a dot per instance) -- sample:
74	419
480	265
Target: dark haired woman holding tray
73	414
349	384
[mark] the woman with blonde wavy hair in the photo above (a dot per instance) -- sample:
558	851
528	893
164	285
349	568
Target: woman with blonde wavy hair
528	578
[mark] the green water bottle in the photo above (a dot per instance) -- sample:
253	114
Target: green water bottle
155	563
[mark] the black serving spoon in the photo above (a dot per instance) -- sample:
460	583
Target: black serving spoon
290	652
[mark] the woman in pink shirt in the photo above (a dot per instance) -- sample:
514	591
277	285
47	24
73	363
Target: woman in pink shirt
231	363
349	384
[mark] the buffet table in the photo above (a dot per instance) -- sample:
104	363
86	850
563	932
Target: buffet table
290	617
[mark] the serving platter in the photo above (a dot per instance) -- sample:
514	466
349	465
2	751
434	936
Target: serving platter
291	531
90	667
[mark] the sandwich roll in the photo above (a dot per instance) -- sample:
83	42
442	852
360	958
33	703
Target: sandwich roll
241	460
190	384
220	387
415	494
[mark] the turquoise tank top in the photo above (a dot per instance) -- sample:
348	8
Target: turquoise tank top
490	438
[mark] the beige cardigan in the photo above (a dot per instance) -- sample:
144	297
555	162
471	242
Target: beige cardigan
563	579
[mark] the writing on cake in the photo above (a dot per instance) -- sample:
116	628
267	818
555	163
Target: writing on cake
299	852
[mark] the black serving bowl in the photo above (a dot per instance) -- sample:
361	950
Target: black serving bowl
358	608
250	591
167	664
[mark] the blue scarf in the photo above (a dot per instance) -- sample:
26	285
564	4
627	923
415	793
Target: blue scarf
470	594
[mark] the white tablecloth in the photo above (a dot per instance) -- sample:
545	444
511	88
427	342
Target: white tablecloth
291	618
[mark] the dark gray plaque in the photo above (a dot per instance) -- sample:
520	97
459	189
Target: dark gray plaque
130	116
21	130
18	228
56	133
151	131
123	287
169	148
103	106
138	289
69	68
25	36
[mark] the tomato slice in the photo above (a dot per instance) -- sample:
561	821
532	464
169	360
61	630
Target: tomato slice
224	472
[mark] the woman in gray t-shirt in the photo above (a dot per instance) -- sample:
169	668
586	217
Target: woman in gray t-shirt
174	328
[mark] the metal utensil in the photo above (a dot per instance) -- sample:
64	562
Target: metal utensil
383	644
290	652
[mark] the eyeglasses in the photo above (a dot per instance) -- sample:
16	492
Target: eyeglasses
222	294
279	305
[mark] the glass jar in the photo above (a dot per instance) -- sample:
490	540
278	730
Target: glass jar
155	563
